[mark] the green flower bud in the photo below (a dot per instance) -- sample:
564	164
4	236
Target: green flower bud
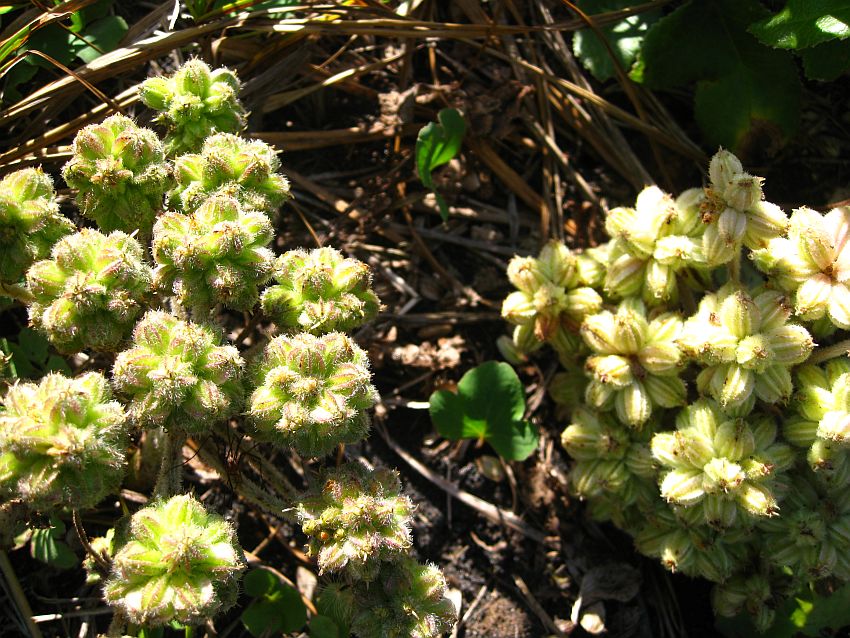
758	594
177	376
312	393
230	165
91	291
62	442
120	173
175	561
217	254
194	103
355	519
30	222
320	291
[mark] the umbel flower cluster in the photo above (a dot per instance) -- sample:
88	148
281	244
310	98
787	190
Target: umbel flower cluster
184	233
702	416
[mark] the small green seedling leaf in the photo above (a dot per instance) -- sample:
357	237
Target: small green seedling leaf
805	23
323	627
47	546
488	406
437	143
105	34
276	608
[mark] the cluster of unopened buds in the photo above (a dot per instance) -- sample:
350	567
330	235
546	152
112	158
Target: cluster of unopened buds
706	384
185	228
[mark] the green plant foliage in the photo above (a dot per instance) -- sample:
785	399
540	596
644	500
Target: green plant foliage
624	37
29	357
742	86
805	23
488	406
323	627
276	608
437	144
48	546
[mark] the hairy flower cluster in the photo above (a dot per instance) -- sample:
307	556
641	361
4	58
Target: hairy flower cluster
653	244
194	103
120	173
62	442
312	393
320	291
635	361
757	593
813	264
91	290
230	165
177	376
747	346
175	562
218	254
355	520
30	222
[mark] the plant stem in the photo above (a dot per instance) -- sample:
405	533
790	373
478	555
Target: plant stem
735	267
842	348
169	481
103	566
18	594
17	292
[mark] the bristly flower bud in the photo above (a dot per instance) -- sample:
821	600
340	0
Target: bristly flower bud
174	561
30	222
62	442
91	291
194	103
355	519
320	291
218	254
813	264
177	376
230	165
121	175
758	593
312	393
636	362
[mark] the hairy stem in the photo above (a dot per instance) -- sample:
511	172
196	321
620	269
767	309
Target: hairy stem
842	348
169	481
102	565
16	292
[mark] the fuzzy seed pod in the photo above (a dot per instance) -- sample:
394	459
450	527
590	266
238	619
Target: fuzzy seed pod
174	561
120	173
813	264
747	345
177	376
758	593
312	393
194	103
725	467
30	222
218	254
62	442
356	519
550	294
91	290
636	362
320	291
230	165
652	244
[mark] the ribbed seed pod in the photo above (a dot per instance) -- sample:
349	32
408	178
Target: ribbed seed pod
312	393
747	346
194	103
218	254
635	362
550	292
230	165
724	467
91	290
30	222
735	211
120	173
756	591
813	264
651	244
177	376
62	442
175	561
320	291
356	519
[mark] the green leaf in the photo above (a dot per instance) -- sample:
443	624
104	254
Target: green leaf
34	345
805	23
744	89
259	582
54	41
55	363
323	627
436	144
277	608
105	33
625	37
488	406
47	546
827	61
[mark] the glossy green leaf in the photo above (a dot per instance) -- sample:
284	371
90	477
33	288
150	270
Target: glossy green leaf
276	608
436	144
105	34
47	546
488	406
827	61
323	627
805	23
